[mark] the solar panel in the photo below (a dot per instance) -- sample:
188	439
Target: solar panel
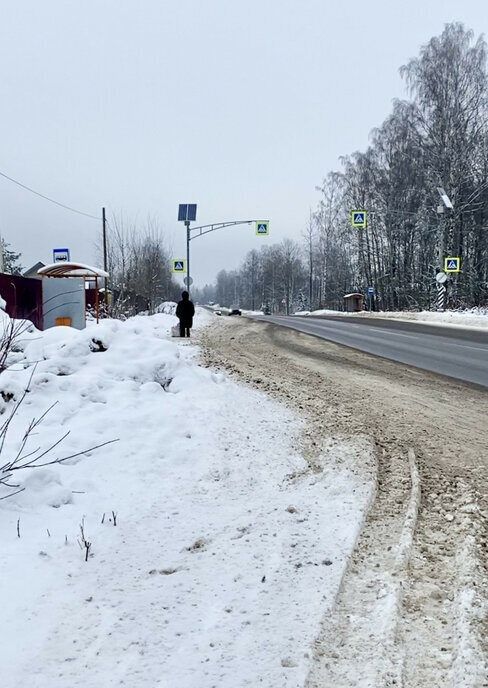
187	212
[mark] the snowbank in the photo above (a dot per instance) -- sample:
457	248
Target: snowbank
473	317
209	563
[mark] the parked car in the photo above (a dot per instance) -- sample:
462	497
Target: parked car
235	311
218	312
266	310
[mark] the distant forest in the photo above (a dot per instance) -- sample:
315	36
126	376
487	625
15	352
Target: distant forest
436	138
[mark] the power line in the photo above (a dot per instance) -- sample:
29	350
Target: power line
67	207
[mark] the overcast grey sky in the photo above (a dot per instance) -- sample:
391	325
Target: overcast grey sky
240	107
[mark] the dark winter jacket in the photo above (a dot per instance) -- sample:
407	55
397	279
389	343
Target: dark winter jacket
185	310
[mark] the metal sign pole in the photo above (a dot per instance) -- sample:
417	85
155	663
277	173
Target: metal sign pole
187	223
441	287
187	212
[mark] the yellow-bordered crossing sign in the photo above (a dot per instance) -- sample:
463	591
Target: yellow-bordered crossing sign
179	265
452	264
262	227
359	218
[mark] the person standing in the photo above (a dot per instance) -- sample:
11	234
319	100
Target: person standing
185	310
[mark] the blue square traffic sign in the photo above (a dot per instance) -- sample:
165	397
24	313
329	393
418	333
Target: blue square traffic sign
359	218
262	227
452	264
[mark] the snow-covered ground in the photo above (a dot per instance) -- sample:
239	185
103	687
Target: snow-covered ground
472	317
214	551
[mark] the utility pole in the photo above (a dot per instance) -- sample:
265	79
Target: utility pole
104	229
310	273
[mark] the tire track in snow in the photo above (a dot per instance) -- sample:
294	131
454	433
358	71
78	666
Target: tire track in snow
357	643
444	600
411	609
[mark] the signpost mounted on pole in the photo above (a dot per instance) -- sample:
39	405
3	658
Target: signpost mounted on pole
370	297
441	287
452	264
262	228
187	212
61	255
359	219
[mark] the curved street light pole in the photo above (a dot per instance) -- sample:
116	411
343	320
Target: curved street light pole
205	229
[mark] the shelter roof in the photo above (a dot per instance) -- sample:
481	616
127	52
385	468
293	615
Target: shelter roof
68	269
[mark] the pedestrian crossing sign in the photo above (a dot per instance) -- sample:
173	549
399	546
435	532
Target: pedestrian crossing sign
359	218
452	264
262	227
179	266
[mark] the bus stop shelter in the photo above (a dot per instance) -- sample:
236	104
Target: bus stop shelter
353	303
63	298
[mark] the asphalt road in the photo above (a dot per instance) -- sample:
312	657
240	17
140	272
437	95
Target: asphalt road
461	354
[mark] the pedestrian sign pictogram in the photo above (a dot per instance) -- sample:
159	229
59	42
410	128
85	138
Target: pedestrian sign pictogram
452	264
179	266
359	218
262	227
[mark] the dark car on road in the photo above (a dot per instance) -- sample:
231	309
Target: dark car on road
235	311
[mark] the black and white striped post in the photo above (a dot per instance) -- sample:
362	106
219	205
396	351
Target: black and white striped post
441	297
441	279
